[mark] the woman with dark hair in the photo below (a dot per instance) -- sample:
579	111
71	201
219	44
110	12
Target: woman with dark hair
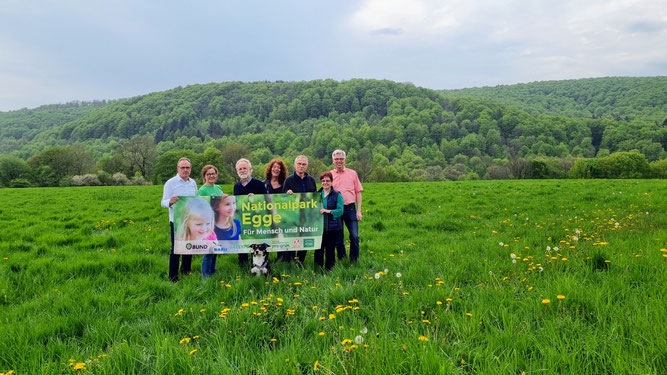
275	174
332	209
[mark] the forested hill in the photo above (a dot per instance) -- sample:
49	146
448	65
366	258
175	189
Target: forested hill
19	128
618	98
392	131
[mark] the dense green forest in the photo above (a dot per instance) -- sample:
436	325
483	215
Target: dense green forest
618	98
19	128
391	131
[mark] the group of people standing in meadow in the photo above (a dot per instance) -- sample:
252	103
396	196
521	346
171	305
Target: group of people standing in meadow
341	204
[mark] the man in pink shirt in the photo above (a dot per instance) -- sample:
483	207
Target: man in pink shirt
346	181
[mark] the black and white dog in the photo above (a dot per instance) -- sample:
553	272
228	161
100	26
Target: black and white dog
260	260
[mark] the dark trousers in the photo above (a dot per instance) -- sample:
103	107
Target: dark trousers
350	219
175	258
243	259
329	239
289	256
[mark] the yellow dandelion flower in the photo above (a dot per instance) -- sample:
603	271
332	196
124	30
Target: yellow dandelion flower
421	338
468	314
332	316
546	301
193	351
346	341
184	341
80	366
448	299
317	363
274	340
560	296
426	321
439	302
202	310
321	333
195	337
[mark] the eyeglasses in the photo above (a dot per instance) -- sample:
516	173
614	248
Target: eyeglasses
212	174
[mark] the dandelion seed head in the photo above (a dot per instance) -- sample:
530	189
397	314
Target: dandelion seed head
358	339
377	275
398	274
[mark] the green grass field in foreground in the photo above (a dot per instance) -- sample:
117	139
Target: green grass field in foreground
500	277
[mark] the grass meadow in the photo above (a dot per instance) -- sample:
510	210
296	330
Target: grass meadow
502	277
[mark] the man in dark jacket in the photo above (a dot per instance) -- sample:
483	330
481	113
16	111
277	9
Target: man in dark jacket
299	182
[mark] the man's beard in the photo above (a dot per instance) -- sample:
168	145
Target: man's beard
244	176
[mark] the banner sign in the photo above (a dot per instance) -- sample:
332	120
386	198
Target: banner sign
230	224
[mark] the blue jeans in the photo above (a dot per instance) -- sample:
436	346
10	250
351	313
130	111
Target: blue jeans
208	265
350	219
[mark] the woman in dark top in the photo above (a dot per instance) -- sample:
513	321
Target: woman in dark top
275	174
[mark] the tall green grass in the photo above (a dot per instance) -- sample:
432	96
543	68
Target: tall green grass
83	286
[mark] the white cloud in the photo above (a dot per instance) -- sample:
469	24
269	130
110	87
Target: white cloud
526	39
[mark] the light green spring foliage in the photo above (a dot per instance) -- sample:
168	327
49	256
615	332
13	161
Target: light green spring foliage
456	277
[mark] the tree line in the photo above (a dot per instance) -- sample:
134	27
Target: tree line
392	132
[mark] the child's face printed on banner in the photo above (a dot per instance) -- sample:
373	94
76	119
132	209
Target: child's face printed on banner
199	228
226	208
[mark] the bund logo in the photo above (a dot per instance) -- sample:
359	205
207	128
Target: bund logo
296	243
190	246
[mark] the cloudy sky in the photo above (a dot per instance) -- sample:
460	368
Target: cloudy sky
58	51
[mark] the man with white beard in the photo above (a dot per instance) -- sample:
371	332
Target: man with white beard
247	186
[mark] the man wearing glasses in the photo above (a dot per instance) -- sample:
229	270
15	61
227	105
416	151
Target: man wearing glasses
346	181
182	185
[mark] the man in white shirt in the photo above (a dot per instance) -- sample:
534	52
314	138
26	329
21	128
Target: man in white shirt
182	185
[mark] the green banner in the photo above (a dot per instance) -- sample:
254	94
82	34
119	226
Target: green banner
230	224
